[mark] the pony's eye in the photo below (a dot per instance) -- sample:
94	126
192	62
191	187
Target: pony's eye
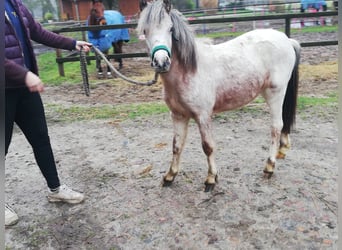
172	29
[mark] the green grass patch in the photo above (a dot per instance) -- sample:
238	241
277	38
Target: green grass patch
307	102
303	102
117	112
313	29
48	70
132	111
214	35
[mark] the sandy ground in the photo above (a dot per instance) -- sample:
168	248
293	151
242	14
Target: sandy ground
119	166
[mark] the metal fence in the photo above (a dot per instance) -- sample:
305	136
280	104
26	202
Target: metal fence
210	20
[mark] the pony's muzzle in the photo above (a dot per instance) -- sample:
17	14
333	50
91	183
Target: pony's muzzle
161	58
161	64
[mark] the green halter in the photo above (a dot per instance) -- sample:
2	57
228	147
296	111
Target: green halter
160	47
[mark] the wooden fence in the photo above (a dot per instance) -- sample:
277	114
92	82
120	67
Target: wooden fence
287	17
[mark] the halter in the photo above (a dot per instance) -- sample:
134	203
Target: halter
160	47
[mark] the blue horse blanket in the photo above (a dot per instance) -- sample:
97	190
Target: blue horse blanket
103	39
312	4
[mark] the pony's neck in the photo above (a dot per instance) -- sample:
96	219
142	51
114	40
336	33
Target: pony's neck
183	42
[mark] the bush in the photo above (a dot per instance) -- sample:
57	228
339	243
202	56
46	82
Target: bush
48	16
183	5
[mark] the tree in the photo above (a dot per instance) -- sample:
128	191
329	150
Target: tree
32	5
183	4
111	4
47	7
209	4
44	5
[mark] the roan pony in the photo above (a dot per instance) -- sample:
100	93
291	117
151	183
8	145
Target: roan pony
104	39
202	79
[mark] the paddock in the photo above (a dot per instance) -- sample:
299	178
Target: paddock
119	164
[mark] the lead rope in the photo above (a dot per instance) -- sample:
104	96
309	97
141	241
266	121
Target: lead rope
112	68
84	71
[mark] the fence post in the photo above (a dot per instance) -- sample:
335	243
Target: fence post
288	26
60	64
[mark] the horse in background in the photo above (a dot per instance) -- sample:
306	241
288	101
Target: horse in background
105	39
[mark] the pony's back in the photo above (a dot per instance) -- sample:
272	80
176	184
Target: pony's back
115	17
103	39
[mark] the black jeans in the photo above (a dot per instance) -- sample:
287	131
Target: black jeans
27	111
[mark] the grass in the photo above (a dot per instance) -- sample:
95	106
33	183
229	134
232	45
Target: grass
48	70
319	72
313	29
117	112
137	110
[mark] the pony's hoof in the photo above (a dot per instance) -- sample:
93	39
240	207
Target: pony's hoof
167	183
267	174
269	168
209	187
210	184
280	155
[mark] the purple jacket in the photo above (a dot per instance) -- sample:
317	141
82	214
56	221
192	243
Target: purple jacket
15	70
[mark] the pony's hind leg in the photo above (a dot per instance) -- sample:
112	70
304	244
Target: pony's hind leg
274	100
284	145
117	47
99	67
180	127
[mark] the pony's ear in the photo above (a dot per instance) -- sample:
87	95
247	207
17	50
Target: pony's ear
167	4
142	4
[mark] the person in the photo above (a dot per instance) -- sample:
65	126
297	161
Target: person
23	104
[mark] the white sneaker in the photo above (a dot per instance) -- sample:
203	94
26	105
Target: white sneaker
65	194
109	75
11	217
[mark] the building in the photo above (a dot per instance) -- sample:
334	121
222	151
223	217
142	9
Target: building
129	8
79	9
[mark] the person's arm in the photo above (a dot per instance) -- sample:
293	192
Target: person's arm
51	39
14	73
20	76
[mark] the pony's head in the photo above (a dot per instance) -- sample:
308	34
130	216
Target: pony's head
97	14
167	34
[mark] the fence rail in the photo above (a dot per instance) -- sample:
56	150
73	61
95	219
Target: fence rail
287	17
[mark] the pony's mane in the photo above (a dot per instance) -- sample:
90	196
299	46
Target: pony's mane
183	40
92	17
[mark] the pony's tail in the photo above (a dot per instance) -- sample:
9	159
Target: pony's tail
290	101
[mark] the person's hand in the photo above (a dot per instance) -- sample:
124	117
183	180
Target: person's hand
33	82
86	46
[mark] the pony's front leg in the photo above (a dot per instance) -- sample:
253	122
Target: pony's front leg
208	145
180	127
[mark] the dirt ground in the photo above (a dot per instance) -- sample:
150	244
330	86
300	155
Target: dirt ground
119	166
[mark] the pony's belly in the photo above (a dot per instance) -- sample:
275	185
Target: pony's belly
230	100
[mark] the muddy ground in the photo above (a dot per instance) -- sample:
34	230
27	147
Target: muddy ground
119	166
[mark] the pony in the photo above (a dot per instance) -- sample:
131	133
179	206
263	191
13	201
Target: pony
201	79
104	39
